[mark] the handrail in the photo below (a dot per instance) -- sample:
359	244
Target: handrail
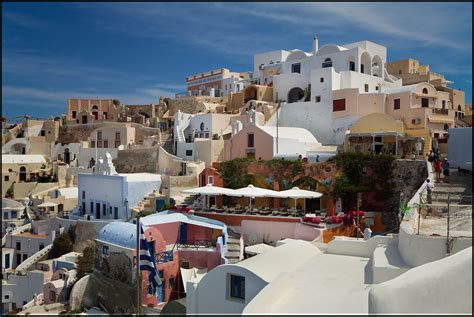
32	259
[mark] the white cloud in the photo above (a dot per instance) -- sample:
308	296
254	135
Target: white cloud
58	99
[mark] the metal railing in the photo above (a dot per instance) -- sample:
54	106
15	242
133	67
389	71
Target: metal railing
440	111
196	244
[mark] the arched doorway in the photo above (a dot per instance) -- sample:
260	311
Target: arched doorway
295	94
95	112
22	174
365	63
250	93
67	156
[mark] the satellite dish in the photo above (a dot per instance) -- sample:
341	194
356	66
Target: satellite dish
253	238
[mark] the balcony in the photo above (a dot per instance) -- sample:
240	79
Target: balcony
440	111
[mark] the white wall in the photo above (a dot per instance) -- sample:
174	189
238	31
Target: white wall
212	294
440	287
460	148
361	247
103	189
28	245
21	289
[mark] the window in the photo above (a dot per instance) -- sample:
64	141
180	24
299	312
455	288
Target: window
99	135
110	210
83	194
352	66
6	178
105	115
117	136
366	88
396	104
376	87
115	212
318	98
321	80
207	135
250	140
201	126
189	152
237	286
106	143
250	153
99	144
92	144
25	256
14	214
18	245
210	179
339	105
42	133
296	68
425	91
5	217
41	246
327	63
425	102
444	104
74	114
104	209
105	250
117	143
362	68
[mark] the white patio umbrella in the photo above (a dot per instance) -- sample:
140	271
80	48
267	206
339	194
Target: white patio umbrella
297	193
208	190
252	191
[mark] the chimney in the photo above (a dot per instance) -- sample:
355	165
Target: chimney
315	45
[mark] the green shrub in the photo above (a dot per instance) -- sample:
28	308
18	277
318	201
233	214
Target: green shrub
61	245
85	261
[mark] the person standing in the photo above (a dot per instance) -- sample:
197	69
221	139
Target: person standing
446	170
429	190
438	167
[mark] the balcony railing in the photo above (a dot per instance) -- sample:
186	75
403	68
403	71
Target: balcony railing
440	111
196	244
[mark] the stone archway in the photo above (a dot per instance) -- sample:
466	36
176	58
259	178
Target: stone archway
295	94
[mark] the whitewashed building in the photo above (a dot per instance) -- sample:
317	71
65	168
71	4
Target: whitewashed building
12	212
307	81
105	194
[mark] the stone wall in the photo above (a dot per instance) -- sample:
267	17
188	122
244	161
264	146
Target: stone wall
190	104
75	133
137	161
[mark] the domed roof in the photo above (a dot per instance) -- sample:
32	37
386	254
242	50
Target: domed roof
377	122
119	233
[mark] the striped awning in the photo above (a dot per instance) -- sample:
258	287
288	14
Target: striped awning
440	119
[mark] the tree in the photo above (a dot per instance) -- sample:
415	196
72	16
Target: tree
61	245
85	261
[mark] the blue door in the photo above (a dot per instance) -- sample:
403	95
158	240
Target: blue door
183	234
160	290
7	261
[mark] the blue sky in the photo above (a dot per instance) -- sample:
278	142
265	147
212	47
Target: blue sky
137	52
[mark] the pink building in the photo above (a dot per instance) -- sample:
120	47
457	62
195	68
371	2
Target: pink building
266	142
178	240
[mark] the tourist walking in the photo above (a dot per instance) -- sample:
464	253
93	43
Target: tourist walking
446	170
438	167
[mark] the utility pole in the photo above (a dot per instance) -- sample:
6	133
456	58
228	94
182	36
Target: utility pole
138	279
448	247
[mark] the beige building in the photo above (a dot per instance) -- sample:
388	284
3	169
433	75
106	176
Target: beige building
425	111
411	72
112	136
381	133
20	169
83	111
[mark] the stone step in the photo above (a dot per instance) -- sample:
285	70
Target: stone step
387	263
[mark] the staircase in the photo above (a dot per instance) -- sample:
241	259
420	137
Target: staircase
233	247
459	191
166	141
